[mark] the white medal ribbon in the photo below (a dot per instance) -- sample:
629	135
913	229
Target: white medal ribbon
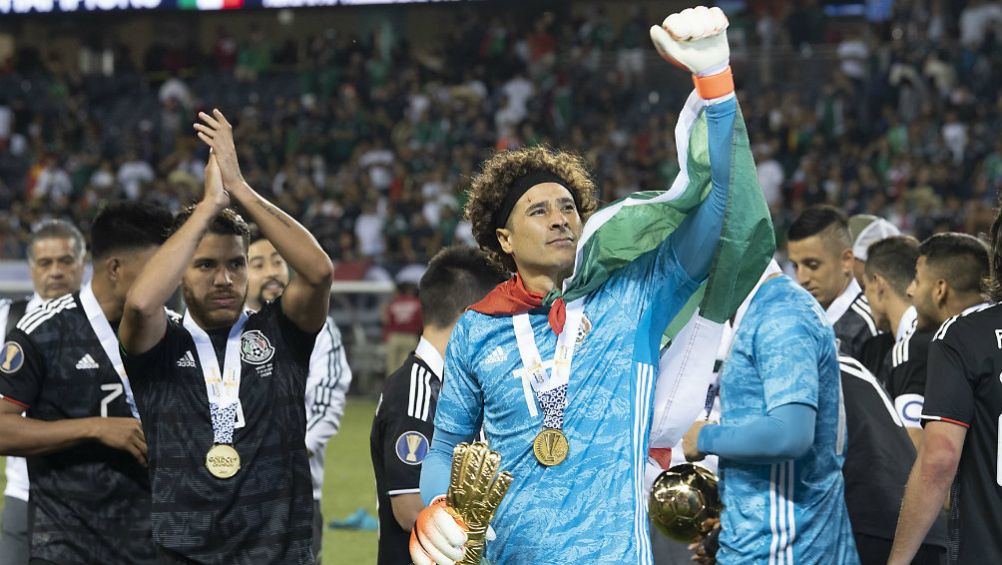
109	342
534	370
221	387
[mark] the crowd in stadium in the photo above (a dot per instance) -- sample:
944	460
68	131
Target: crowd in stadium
372	142
802	317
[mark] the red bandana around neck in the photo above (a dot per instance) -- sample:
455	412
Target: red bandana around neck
511	297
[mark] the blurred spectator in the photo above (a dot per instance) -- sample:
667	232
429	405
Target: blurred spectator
401	324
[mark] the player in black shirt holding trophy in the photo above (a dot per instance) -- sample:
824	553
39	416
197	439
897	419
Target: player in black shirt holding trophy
222	393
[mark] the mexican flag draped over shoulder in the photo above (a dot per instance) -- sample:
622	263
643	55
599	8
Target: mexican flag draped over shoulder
626	229
622	231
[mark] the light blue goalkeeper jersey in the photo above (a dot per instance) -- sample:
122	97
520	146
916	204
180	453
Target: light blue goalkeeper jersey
592	507
789	513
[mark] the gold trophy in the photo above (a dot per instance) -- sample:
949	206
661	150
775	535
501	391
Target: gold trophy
475	491
684	503
413	443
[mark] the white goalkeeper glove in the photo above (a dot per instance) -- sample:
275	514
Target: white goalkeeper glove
696	40
438	536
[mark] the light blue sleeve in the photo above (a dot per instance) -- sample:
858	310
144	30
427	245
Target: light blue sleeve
437	466
785	433
460	406
695	241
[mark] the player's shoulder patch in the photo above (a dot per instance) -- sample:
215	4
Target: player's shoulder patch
412	447
255	348
11	358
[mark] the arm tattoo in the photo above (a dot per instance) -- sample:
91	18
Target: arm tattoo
271	210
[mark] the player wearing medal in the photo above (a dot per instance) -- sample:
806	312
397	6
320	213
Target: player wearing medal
330	375
223	393
565	396
90	490
56	254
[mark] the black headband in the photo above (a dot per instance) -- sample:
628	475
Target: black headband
520	186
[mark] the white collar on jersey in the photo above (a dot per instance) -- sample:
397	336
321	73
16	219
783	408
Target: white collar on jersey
35	301
976	308
427	352
840	305
907	324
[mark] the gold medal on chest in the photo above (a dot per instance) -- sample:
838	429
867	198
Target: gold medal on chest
222	461
550	447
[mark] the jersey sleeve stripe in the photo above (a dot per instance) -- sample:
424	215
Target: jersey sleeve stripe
866	318
948	420
413	391
15	402
403	491
941	332
427	396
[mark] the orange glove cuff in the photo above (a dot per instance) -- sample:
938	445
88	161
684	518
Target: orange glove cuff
714	86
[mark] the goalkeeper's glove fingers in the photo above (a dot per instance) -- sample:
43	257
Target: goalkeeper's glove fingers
437	537
694	39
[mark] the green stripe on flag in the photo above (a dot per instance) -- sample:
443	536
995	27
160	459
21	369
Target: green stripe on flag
637	224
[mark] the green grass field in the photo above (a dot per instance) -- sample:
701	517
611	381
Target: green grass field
349	485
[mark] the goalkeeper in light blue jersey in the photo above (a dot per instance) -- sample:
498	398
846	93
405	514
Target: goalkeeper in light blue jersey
563	385
781	437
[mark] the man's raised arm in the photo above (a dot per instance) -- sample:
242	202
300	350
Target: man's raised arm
144	321
306	299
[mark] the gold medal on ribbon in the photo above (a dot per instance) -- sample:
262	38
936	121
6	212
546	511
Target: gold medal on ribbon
222	461
550	447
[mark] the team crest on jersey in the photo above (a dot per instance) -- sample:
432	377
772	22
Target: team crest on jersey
583	330
255	348
412	447
12	358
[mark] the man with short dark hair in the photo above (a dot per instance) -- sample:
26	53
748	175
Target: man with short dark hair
962	409
821	251
404	424
329	375
86	450
56	254
222	393
949	274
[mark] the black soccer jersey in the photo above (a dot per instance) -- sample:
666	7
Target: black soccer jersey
91	502
401	436
963	387
855	328
264	514
906	380
878	458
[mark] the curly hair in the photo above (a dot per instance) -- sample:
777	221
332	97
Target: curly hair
488	188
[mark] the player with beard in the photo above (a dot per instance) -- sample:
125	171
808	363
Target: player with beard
329	377
223	393
90	493
961	411
56	253
949	280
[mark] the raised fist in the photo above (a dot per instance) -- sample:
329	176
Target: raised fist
694	39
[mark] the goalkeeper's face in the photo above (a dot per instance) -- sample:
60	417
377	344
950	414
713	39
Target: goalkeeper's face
543	231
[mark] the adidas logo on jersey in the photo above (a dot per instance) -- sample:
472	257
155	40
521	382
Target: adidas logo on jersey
87	362
186	360
497	356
